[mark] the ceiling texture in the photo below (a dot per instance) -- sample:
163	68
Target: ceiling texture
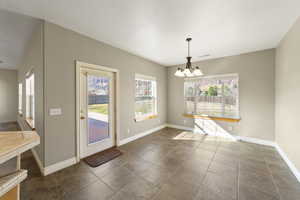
156	29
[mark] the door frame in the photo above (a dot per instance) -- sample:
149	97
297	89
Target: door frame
79	65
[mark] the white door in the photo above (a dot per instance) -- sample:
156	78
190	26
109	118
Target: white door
96	111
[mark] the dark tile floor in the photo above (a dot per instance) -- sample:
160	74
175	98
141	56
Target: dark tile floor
171	165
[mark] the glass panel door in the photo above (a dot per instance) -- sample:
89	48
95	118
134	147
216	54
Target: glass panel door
96	111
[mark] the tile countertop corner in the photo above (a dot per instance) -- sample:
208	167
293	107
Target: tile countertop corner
14	143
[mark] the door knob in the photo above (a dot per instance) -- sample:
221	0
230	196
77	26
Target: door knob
82	117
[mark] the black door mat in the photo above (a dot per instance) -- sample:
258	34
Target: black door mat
102	157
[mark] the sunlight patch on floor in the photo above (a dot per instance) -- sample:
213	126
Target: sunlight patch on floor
196	136
188	135
211	128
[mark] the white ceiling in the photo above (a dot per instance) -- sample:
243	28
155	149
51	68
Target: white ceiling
15	32
156	29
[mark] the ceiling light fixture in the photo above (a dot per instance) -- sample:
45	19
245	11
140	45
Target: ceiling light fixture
189	71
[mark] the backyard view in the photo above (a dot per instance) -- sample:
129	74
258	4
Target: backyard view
143	107
145	98
98	99
212	97
99	108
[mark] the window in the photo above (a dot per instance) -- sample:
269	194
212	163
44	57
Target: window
20	88
30	100
214	96
145	97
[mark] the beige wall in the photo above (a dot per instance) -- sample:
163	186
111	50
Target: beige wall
33	60
8	95
288	94
62	48
256	90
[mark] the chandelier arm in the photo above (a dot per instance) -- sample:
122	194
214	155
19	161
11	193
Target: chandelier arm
188	70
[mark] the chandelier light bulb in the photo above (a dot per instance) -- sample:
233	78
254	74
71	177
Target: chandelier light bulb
179	73
197	72
188	73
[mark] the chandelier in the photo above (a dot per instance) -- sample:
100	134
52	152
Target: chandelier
189	71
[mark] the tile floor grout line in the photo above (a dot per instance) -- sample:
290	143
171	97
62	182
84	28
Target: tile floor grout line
211	160
206	171
273	180
81	188
238	181
99	179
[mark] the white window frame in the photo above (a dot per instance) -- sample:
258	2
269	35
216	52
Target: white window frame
30	100
220	76
154	89
20	98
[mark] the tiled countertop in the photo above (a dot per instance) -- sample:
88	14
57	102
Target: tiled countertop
13	144
16	142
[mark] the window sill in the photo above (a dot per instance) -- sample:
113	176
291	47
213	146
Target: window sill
145	118
30	123
227	119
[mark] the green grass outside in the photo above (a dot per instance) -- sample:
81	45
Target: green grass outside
99	108
143	107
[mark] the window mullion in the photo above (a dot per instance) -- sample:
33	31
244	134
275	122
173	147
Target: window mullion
223	99
195	99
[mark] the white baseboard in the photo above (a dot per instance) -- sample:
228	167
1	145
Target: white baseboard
180	127
59	166
140	135
195	130
52	168
38	160
279	150
288	162
256	141
245	139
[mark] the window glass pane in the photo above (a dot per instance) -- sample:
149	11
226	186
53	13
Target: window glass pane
216	96
98	108
189	91
145	97
144	107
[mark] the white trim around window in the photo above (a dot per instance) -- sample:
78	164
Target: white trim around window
20	100
30	100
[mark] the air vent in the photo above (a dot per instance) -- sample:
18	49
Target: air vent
203	56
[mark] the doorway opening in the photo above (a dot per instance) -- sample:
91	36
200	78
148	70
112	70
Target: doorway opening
96	108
